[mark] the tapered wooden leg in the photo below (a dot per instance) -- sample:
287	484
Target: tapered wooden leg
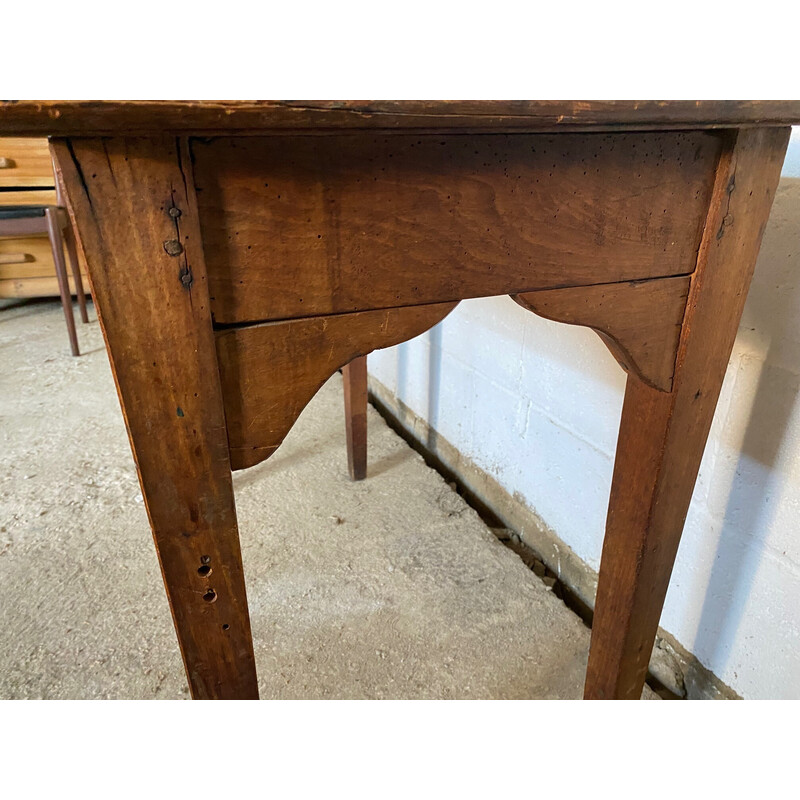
355	412
663	434
57	248
134	204
69	239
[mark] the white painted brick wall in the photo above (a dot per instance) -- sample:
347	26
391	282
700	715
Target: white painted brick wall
536	404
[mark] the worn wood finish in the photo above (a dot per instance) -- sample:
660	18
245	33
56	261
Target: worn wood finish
133	204
335	228
639	322
662	435
297	226
354	377
270	372
50	118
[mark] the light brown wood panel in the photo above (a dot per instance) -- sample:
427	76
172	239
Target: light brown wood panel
25	162
310	225
157	326
27	268
13	258
33	287
33	197
131	117
639	322
270	372
38	257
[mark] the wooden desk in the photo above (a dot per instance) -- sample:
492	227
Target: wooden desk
240	253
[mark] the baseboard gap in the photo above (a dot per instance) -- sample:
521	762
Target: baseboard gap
694	680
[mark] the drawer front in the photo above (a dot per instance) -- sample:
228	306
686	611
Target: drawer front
27	269
25	162
33	287
316	225
30	257
37	197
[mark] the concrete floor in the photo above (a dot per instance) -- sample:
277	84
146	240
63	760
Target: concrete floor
389	588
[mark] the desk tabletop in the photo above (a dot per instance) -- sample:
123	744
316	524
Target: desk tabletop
91	118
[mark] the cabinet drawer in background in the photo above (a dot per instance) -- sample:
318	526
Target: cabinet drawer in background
25	162
35	197
27	269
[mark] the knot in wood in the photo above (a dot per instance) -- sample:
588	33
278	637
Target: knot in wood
173	247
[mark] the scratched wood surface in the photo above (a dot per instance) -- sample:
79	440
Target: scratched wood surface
310	231
149	282
640	323
663	435
298	226
270	372
50	118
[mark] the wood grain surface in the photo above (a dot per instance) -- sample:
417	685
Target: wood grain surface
270	372
334	228
50	118
300	226
639	322
149	283
663	435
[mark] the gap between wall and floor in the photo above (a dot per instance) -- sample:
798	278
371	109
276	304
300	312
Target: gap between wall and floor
674	672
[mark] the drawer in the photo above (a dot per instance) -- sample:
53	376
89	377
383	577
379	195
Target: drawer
37	197
25	162
34	287
27	269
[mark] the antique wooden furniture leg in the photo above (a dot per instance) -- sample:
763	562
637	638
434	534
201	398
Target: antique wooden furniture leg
640	220
354	376
57	246
663	434
133	201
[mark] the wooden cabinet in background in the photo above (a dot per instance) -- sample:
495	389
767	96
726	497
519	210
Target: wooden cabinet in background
26	179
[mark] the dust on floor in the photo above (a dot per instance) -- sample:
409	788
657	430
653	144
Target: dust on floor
388	588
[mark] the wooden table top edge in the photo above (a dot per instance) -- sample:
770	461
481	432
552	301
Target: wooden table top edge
141	117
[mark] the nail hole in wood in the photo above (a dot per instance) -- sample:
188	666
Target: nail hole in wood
204	570
225	627
210	596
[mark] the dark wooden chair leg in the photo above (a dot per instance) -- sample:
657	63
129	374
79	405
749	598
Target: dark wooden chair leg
663	434
57	247
72	251
355	411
